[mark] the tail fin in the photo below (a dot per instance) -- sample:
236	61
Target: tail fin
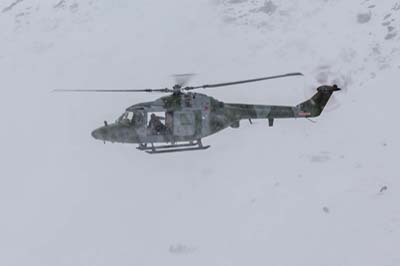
314	106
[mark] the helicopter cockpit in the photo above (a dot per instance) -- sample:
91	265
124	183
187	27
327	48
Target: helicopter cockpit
154	122
129	118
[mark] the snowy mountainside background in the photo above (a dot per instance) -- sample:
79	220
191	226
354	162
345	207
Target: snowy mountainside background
300	193
293	27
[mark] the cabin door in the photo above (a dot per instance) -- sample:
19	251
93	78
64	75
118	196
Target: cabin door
184	124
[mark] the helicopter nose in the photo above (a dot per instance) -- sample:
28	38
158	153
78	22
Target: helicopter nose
98	134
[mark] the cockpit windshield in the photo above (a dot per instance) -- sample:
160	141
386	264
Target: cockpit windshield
131	118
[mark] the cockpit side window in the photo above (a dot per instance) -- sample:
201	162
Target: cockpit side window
131	118
123	119
129	115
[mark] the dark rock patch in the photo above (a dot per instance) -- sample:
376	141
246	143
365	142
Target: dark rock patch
180	249
11	6
237	1
60	4
269	7
364	17
387	16
390	36
383	189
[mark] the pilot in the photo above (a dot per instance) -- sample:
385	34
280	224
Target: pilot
137	119
155	124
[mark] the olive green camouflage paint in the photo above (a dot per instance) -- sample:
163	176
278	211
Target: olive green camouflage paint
196	116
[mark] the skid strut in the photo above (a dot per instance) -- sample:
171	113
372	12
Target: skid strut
186	146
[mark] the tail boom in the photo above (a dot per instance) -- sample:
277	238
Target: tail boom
314	106
310	108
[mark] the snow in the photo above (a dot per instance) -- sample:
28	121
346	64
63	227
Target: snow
299	193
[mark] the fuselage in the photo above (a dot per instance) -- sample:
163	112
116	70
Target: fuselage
193	116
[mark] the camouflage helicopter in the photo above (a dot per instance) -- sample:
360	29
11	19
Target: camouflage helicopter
179	121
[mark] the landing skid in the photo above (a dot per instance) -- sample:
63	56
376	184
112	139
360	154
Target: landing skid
189	146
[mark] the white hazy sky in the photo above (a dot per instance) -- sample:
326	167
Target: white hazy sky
257	196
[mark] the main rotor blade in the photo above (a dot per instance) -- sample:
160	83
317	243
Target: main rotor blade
121	90
242	81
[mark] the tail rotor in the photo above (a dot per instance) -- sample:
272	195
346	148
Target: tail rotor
324	76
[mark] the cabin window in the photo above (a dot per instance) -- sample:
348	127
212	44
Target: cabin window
159	115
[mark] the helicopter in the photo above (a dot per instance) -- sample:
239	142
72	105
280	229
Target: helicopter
179	121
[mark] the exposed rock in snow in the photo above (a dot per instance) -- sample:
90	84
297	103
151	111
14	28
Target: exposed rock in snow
180	249
269	8
11	6
364	17
383	189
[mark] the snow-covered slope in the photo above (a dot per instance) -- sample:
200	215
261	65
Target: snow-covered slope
299	193
358	37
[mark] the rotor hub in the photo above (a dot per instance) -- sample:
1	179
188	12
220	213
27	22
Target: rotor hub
177	88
